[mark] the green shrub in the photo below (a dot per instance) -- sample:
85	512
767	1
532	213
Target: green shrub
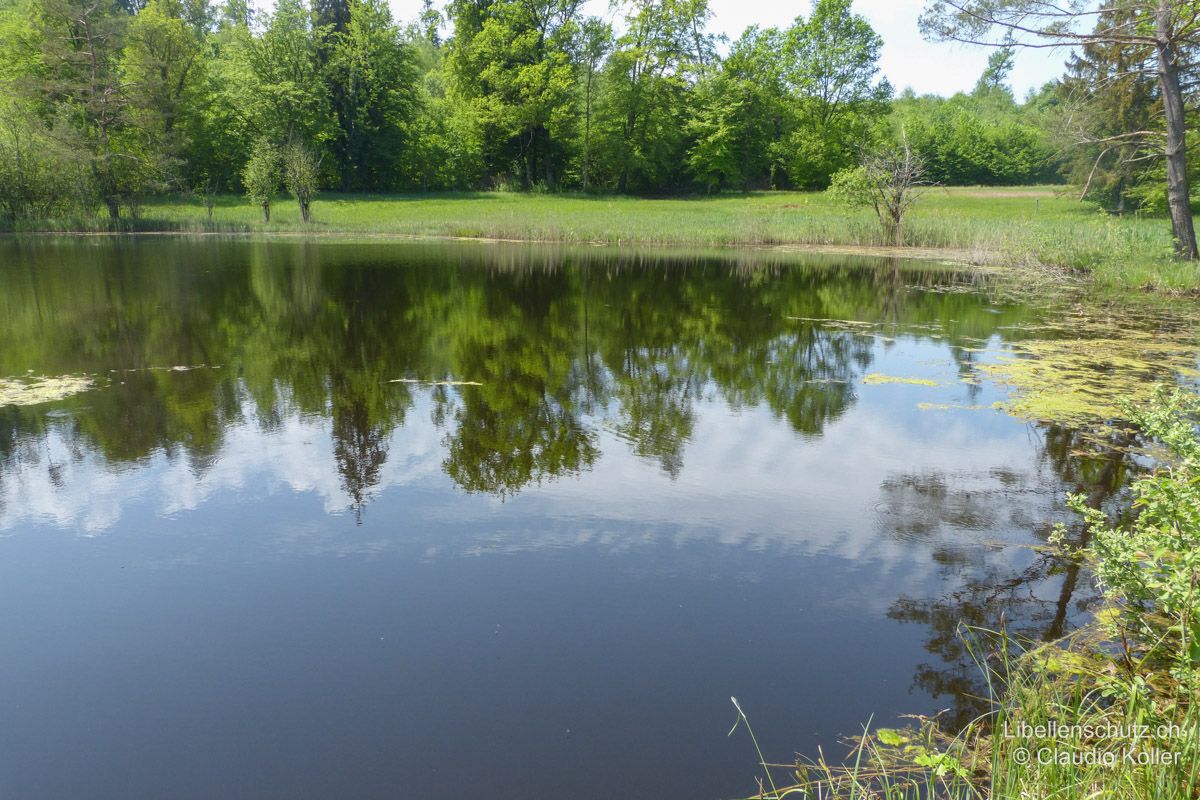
1150	569
262	175
301	174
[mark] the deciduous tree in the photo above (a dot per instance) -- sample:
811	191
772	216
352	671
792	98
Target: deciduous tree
831	68
301	174
374	78
262	175
511	59
656	60
80	80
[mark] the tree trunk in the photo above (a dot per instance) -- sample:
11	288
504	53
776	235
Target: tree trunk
627	145
1178	192
266	207
587	130
530	167
548	159
114	208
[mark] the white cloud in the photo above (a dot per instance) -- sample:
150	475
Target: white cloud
748	484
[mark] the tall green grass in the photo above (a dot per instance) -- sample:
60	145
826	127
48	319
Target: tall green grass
1011	753
1019	226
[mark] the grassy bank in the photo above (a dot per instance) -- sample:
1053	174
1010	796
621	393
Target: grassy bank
1027	225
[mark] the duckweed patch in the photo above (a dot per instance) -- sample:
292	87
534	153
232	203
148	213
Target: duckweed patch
875	379
421	382
1089	378
951	407
31	390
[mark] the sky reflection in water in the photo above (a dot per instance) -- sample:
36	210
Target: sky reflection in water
279	573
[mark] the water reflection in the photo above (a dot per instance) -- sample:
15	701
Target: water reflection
301	463
555	346
1035	600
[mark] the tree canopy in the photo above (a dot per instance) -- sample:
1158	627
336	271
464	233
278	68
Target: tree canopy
103	103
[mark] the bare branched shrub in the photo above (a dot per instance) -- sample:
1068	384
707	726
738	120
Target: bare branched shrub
888	180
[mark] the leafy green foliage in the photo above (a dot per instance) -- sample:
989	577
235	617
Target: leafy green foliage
1150	568
163	64
831	69
74	78
985	137
740	115
973	140
642	107
787	107
1110	91
38	180
594	43
525	94
301	174
511	60
888	181
853	187
262	175
372	76
286	96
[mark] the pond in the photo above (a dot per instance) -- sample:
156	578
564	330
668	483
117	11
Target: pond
376	519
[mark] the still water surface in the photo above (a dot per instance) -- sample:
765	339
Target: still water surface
414	520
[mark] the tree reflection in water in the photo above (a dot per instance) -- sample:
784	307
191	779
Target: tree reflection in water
1033	602
564	344
528	358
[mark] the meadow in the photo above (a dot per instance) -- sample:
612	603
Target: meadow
1023	226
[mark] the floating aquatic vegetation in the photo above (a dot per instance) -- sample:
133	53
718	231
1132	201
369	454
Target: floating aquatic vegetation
1087	379
33	389
845	324
955	288
857	327
176	368
876	378
1031	327
436	383
951	407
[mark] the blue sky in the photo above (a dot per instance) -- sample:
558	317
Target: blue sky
908	60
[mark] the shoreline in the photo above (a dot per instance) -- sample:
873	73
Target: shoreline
1035	230
990	261
963	256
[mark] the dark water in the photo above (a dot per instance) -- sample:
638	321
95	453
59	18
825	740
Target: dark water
279	573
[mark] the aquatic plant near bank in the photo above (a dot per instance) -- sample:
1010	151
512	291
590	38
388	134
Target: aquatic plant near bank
30	390
1081	369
